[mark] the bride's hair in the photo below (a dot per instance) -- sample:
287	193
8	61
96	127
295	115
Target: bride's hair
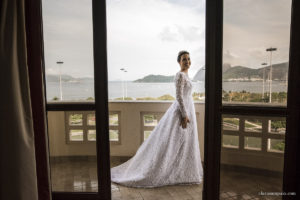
180	54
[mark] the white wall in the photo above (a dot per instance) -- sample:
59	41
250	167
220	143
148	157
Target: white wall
131	133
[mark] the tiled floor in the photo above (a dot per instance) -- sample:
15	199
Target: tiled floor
81	176
241	185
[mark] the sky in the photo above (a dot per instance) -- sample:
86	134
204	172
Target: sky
144	36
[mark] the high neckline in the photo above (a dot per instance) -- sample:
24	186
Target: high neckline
184	73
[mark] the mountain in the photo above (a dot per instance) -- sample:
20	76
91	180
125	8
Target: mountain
155	79
279	72
65	78
241	73
200	75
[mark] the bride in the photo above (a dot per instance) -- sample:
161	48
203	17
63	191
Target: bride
170	155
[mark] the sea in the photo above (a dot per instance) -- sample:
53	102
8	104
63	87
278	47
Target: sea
74	91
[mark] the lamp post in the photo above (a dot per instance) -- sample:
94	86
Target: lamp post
122	69
263	91
60	87
270	77
125	85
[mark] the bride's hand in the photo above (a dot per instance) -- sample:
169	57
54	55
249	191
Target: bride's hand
184	122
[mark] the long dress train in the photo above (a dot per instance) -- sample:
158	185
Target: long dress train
171	154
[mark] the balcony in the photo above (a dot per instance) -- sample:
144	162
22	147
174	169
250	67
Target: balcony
251	159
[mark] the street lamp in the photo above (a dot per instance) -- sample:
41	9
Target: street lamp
263	92
125	85
270	83
60	87
122	69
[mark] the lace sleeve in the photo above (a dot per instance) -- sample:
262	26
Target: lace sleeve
179	93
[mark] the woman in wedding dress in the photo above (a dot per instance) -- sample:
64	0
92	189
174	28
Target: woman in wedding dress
170	155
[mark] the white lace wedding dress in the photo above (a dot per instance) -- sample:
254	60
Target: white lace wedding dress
170	155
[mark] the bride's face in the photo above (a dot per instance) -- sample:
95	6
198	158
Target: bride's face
185	61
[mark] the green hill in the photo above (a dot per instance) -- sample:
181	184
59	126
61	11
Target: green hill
155	79
279	72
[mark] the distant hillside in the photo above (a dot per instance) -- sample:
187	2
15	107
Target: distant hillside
155	79
200	75
65	78
237	73
279	72
240	72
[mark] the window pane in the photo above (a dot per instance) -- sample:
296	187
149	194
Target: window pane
251	162
68	47
150	120
75	120
73	162
276	145
252	143
256	51
113	119
113	135
230	123
91	119
230	141
92	135
253	125
76	135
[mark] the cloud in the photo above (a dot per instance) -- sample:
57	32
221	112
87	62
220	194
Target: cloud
145	36
191	33
251	26
167	35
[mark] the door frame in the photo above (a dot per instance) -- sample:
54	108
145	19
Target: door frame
213	104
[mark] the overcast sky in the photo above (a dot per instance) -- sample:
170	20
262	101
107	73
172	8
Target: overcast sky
144	36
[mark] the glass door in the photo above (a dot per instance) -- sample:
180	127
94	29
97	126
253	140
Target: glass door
250	63
76	109
254	76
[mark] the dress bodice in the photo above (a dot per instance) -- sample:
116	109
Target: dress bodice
183	91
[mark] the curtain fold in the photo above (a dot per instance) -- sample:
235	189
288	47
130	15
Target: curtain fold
17	151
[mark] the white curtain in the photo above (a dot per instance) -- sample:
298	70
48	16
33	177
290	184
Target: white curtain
18	165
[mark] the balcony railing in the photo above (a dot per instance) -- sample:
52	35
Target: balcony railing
247	141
